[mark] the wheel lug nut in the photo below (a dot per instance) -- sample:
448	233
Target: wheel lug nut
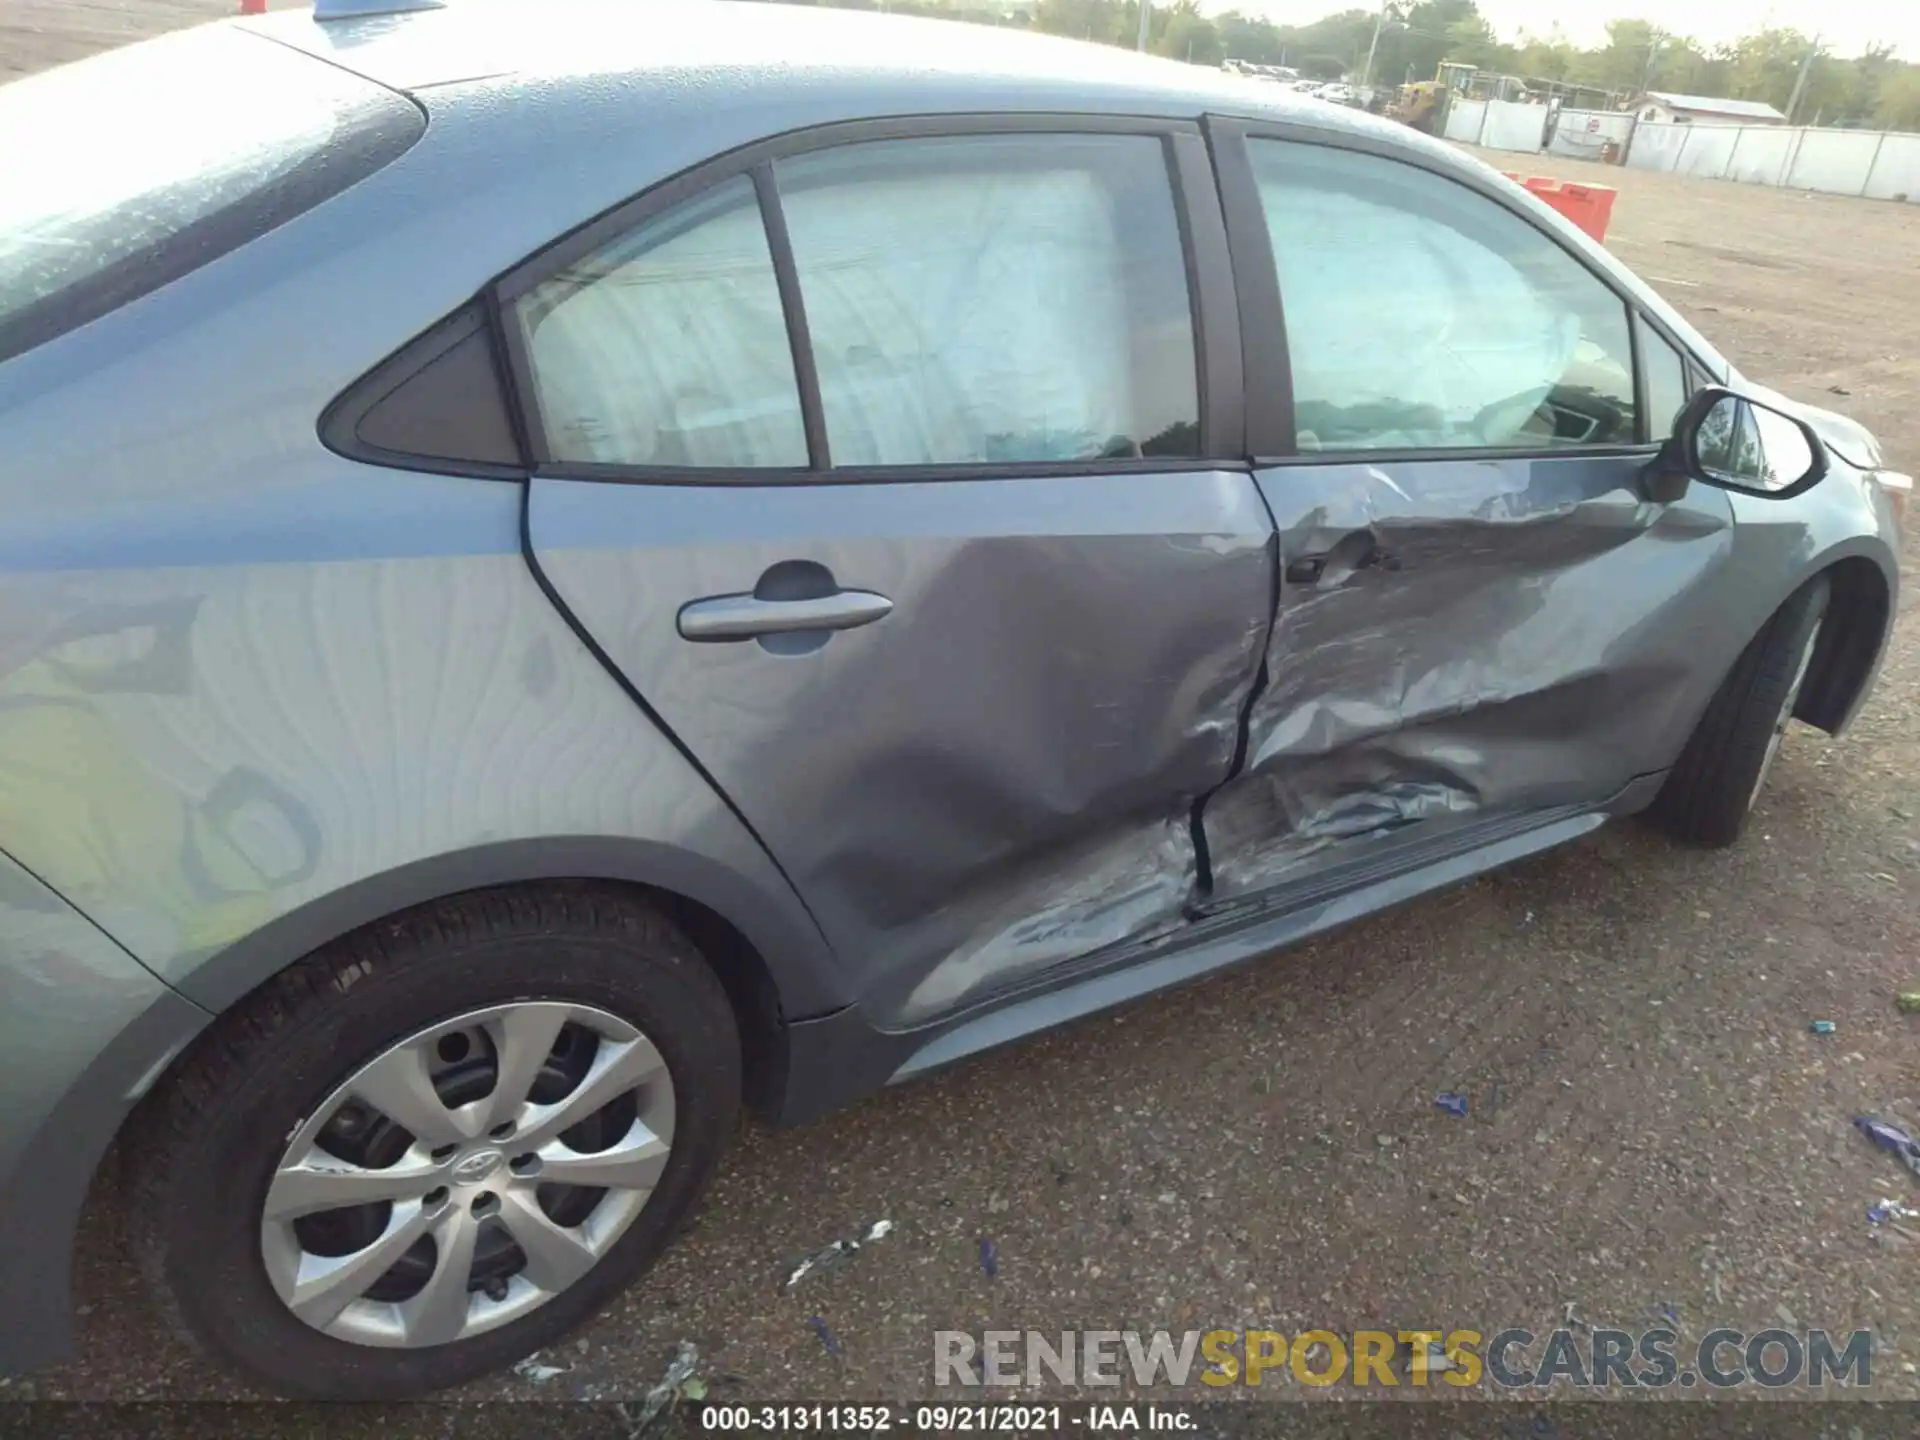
525	1165
443	1152
502	1131
435	1197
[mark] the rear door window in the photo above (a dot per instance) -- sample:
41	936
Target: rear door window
667	346
956	300
128	170
995	299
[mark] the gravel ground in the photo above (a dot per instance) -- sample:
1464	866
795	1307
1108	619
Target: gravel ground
35	34
1654	1129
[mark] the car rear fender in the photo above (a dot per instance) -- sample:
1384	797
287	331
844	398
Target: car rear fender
84	1031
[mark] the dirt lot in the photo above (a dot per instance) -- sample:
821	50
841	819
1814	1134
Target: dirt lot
35	34
1654	1129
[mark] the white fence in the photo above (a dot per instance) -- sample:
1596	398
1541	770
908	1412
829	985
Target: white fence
1467	121
1880	165
1497	124
1584	134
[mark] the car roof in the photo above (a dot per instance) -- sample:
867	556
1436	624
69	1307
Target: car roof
795	60
679	81
795	45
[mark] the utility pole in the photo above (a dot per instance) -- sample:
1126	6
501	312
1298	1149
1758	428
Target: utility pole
1800	80
1366	73
1653	55
1146	9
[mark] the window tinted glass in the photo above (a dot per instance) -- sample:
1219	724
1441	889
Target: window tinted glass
1423	315
668	346
130	169
1666	374
990	299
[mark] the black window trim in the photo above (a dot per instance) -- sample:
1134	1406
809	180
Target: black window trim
1642	421
1203	235
1272	438
340	420
1642	394
793	311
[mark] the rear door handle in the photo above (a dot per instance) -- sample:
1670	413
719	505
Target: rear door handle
747	617
1357	550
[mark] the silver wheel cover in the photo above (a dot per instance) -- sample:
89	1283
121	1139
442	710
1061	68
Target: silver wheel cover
1785	717
471	1172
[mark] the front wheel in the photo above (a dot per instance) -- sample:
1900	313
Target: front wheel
438	1146
1718	778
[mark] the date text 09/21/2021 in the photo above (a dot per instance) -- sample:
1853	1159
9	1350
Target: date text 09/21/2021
947	1419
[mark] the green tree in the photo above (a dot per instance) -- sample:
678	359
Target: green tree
1629	60
1836	93
1849	90
1875	88
1340	39
1099	20
1898	104
1547	57
1245	37
1471	41
1765	65
1684	67
1423	35
1183	33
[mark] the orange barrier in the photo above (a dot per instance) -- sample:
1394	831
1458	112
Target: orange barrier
1588	206
253	7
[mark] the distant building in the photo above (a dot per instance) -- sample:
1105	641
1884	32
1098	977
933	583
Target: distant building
1666	107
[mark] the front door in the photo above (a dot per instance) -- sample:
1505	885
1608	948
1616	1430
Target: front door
881	470
1481	621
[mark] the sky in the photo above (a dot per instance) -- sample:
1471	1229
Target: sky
1847	26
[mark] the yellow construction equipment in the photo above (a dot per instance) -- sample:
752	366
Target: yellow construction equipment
1422	105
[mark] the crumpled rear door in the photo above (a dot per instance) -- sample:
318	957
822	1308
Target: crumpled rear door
997	776
964	616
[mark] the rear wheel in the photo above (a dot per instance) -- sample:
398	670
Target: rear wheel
1718	777
438	1146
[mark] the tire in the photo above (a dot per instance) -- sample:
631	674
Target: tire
1712	788
207	1150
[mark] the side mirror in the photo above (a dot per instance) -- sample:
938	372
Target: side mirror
1728	440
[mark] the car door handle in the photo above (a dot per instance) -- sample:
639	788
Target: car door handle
747	617
1355	551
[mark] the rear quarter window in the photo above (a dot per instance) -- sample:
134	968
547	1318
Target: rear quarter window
126	171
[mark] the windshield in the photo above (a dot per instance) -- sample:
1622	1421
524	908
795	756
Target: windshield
128	170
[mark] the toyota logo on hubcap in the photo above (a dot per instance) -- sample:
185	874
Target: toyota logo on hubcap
477	1167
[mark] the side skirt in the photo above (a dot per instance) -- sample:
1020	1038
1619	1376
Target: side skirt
840	1058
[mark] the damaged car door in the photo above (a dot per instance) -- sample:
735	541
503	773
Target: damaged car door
887	470
1484	623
